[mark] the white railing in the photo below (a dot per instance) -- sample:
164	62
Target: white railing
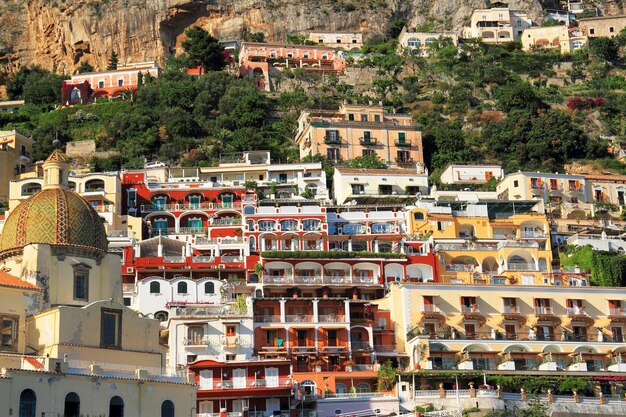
307	279
332	318
469	309
267	319
430	308
127	369
117	233
544	310
517	244
357	395
203	258
298	318
576	311
430	393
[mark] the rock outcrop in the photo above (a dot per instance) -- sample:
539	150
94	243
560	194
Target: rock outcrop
59	34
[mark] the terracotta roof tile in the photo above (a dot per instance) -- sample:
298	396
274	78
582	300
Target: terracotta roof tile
8	280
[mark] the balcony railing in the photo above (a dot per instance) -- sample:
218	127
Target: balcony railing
368	141
247	383
577	311
543	311
330	140
267	319
529	234
203	259
510	309
470	309
117	233
149	208
303	279
298	318
268	279
617	312
431	308
403	144
332	318
361	346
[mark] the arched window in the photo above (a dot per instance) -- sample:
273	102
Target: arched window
363	387
209	288
182	287
248	210
155	287
161	315
28	403
167	409
94	185
72	405
116	407
418	215
341	388
414	43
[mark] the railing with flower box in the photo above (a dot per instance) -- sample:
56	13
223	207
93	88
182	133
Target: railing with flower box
248	383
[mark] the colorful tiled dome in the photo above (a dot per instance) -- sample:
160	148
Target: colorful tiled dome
54	216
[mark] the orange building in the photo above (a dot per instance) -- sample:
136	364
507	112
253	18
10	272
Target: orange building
260	61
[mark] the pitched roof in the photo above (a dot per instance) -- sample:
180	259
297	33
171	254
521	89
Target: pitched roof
56	156
8	280
365	171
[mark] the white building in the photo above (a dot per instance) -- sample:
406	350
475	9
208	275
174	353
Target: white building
367	186
609	242
471	174
419	42
343	40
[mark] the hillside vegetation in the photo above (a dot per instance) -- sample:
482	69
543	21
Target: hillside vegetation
533	111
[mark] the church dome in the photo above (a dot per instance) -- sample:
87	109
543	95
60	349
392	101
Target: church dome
54	216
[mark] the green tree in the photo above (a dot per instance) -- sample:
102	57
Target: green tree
85	67
254	36
203	49
15	83
518	96
366	162
44	89
450	147
113	61
386	377
606	49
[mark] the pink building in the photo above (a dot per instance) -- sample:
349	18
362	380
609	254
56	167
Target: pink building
259	61
114	83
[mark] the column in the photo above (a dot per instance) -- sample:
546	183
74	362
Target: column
177	224
316	313
282	310
376	245
370	334
349	245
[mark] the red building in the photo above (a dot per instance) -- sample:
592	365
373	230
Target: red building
251	388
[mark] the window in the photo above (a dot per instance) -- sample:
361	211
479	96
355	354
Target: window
367	135
182	287
311	225
231	330
72	405
155	287
167	409
592	31
81	282
338	40
195	334
209	288
120	82
611	29
116	407
351	116
402	138
8	331
418	215
28	403
75	95
111	328
282	178
384	189
363	387
368	152
403	156
376	118
498	281
364	117
414	43
127	301
332	154
101	84
357	188
131	197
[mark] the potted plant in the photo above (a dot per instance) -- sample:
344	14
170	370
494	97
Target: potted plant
349	365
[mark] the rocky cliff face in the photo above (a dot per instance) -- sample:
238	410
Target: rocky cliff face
59	34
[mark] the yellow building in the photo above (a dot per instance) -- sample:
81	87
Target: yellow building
602	27
356	130
15	154
567	40
488	242
497	25
69	345
506	328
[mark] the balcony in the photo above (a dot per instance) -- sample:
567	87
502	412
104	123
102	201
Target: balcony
510	310
330	140
544	311
472	310
617	314
298	318
267	319
304	349
403	144
203	259
533	234
308	280
247	384
404	160
277	279
368	141
332	318
361	346
577	312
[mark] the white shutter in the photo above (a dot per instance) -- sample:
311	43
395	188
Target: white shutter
271	405
239	378
271	377
206	379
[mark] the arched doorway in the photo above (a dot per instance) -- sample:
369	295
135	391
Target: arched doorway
167	409
28	403
116	407
72	405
